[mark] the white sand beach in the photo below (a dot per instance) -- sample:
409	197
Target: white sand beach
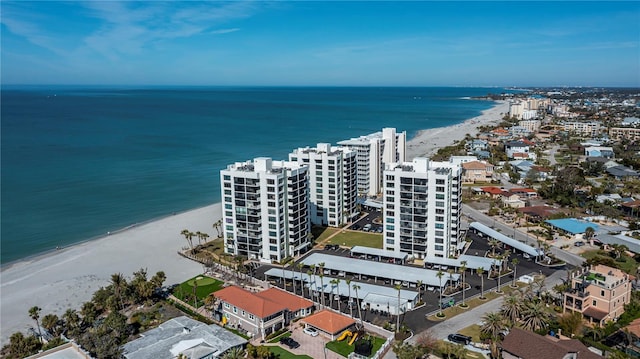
427	142
68	277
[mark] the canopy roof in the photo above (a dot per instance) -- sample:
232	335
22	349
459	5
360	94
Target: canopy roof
523	247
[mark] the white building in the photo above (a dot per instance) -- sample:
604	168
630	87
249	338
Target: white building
265	209
530	125
422	203
592	128
332	183
373	152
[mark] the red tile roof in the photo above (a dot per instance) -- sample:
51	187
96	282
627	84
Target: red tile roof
529	345
329	322
523	190
249	302
292	302
492	190
474	165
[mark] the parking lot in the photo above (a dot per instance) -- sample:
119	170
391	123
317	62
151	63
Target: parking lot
415	319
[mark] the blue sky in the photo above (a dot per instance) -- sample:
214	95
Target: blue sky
321	43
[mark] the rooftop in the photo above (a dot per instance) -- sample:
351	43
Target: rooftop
572	225
329	322
529	345
249	302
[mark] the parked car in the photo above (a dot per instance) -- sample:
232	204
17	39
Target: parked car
367	227
310	331
579	244
355	227
459	338
290	342
526	255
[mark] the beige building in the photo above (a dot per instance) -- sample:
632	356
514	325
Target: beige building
477	171
599	293
592	128
530	125
629	133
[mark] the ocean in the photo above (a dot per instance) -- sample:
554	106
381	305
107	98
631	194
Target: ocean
78	162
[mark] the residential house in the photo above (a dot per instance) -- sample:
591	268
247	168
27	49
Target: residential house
620	172
524	193
523	344
477	145
512	200
477	171
492	191
599	151
519	150
538	213
260	313
599	293
183	337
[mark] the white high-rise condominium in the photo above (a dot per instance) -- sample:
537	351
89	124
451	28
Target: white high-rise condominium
373	152
332	183
422	206
265	213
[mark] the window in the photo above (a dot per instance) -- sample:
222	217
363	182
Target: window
594	302
227	177
439	196
251	316
601	293
439	225
235	309
243	313
226	305
439	204
439	181
439	248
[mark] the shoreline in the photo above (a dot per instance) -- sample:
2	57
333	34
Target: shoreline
63	279
427	142
57	280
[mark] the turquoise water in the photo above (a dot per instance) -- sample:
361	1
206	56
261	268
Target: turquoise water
79	162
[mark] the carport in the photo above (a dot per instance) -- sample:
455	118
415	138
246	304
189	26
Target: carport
380	255
473	262
525	248
379	270
328	323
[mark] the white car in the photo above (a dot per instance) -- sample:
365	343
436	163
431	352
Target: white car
310	331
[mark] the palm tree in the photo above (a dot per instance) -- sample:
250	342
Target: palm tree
119	283
188	236
321	291
348	281
204	237
588	233
71	321
450	281
463	270
336	283
199	235
210	302
51	322
195	295
356	287
492	327
216	225
440	274
398	287
494	243
534	316
419	283
300	265
480	272
234	353
310	295
515	262
511	309
498	290
34	313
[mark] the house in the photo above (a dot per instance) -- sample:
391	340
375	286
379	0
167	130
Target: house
538	213
524	193
512	200
185	337
572	226
477	171
621	172
519	150
599	293
477	145
599	151
492	191
523	344
541	173
260	313
329	324
631	207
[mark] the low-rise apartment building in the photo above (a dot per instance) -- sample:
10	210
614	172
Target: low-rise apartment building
477	171
260	313
599	293
628	133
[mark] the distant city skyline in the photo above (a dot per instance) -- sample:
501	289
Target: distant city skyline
321	43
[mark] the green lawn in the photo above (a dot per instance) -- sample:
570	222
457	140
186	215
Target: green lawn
343	348
473	331
283	354
357	238
321	233
625	263
205	286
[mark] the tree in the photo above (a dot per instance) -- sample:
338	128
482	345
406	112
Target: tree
34	313
571	323
310	288
336	283
234	353
534	317
494	243
480	272
515	262
210	301
158	279
89	313
71	322
511	309
398	287
300	265
463	270
188	236
321	291
356	287
589	233
499	267
420	284
21	346
216	225
350	302
119	283
492	328
51	323
440	274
